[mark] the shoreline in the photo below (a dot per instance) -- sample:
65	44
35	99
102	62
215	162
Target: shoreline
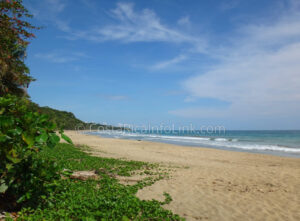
212	184
194	145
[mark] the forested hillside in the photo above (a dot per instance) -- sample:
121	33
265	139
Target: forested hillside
68	121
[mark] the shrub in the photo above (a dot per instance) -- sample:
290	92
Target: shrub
25	178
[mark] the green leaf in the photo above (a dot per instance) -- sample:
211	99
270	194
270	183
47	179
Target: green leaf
6	121
51	126
9	166
28	116
42	138
43	118
54	138
125	218
66	138
3	188
3	137
2	110
21	199
16	131
28	138
67	173
13	158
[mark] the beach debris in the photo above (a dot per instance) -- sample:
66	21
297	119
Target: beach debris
274	165
8	216
270	184
128	180
133	179
2	216
84	175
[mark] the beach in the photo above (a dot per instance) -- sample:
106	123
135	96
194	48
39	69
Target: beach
211	184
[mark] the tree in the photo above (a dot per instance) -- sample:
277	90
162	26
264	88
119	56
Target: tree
15	33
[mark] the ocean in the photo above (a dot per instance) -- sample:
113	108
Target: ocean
282	143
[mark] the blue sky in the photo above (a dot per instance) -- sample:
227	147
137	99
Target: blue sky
234	63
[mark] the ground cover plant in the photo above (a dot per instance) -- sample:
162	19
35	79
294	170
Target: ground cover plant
101	199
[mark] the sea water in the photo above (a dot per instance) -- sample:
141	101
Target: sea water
283	143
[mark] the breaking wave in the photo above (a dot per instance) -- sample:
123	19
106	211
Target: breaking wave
221	142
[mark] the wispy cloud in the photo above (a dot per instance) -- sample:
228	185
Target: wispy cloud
126	25
129	26
259	74
49	11
139	26
165	64
60	57
136	26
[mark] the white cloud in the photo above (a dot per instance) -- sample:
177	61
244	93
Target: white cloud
259	75
165	64
137	26
140	26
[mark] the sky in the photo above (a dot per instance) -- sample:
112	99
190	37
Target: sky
233	63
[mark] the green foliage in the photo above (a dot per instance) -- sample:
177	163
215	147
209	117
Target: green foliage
68	157
62	119
103	199
24	176
68	121
14	36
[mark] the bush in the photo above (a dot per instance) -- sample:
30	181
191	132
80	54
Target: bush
25	178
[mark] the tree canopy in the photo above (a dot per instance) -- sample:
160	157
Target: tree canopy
15	33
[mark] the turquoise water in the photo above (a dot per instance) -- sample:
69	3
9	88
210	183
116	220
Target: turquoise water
284	143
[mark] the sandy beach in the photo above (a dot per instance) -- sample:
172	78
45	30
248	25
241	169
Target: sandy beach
210	184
